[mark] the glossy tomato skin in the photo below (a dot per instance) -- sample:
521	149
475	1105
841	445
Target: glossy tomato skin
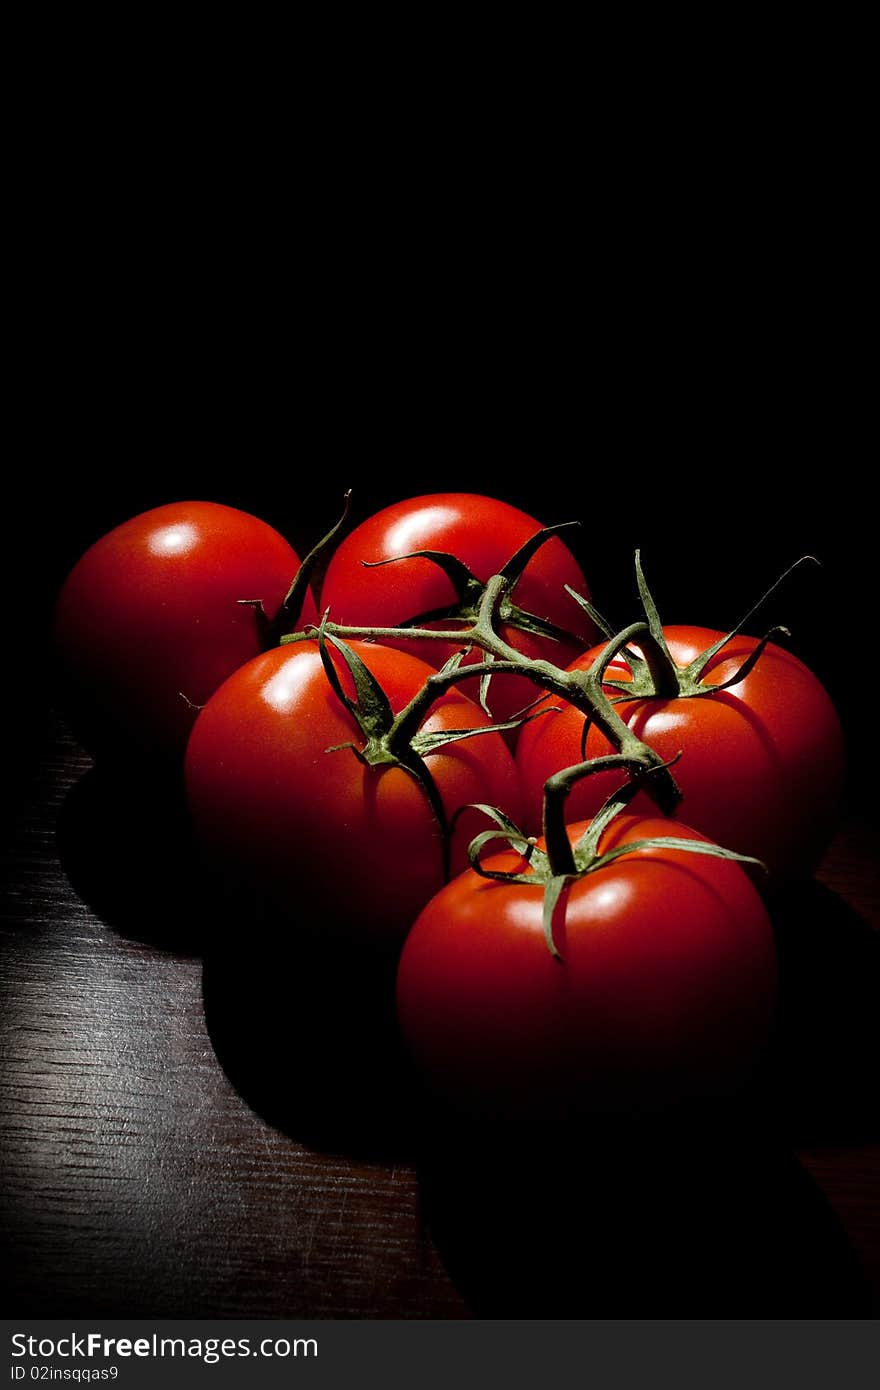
665	992
150	614
482	532
762	763
305	825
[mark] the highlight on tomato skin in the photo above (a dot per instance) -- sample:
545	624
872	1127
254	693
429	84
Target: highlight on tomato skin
150	622
353	850
762	763
482	532
665	993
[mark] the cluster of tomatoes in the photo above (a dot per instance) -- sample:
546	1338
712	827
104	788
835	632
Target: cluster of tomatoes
340	758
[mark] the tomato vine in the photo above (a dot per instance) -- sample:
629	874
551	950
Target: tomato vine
581	689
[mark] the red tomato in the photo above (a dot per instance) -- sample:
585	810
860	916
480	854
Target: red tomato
151	614
484	534
268	800
762	763
665	991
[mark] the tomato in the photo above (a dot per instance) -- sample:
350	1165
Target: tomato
319	832
762	762
664	993
148	623
484	534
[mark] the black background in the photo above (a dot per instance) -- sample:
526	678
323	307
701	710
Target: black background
722	485
657	330
629	287
724	458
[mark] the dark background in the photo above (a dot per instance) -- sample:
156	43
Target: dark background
192	1132
724	467
647	321
643	307
632	290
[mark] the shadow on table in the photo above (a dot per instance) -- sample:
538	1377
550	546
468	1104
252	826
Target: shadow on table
126	846
304	1027
704	1214
636	1221
820	1085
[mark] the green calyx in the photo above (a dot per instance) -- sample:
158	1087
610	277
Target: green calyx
470	591
272	630
397	740
561	863
655	674
583	689
475	622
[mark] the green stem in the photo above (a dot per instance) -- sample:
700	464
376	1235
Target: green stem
557	789
462	636
596	706
661	667
583	689
411	716
291	604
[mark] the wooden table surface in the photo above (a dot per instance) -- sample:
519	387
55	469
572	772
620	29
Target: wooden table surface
200	1121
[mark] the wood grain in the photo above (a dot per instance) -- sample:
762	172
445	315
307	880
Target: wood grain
190	1128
